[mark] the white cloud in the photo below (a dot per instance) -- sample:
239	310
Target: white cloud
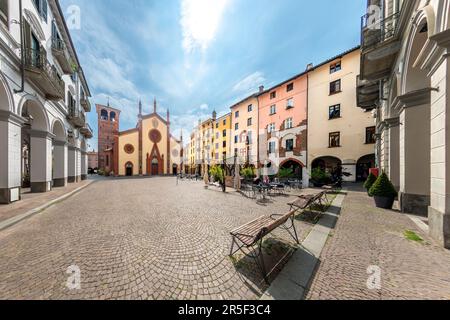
200	20
204	107
250	83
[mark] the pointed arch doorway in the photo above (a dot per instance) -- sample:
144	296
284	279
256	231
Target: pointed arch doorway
155	162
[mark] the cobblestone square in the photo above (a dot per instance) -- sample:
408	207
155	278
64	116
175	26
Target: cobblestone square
134	239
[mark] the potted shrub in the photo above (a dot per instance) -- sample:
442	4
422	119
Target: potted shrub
285	173
369	182
383	192
320	177
248	174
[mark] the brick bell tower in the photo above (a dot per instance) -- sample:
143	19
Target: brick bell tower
108	131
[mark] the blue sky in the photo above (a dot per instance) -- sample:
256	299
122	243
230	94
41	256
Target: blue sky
195	56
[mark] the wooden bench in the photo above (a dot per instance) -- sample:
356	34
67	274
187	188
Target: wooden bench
307	201
253	233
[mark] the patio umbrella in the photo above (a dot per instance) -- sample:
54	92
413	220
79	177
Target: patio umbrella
237	179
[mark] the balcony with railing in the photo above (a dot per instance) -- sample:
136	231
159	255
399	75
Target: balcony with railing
367	93
43	74
379	45
84	101
87	131
76	117
59	52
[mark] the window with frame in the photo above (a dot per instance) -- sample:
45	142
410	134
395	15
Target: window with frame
335	112
249	137
41	7
4	13
224	144
272	147
335	140
236	126
217	125
290	103
290	87
290	145
236	139
335	67
335	87
273	95
224	133
250	108
371	135
236	114
249	121
289	123
217	146
225	122
273	109
271	128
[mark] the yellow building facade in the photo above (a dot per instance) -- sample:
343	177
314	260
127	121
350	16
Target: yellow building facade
339	133
149	149
222	135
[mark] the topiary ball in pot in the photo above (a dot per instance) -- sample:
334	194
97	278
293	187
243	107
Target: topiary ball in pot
369	182
383	192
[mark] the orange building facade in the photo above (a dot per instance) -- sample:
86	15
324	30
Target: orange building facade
283	127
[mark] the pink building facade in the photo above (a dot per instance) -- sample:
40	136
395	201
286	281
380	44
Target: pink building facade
283	127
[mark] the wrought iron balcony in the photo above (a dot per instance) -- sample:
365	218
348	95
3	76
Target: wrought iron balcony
379	46
367	93
59	52
76	117
44	75
379	31
84	101
87	131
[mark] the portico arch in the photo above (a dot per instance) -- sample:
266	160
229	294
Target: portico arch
36	147
59	156
415	121
10	142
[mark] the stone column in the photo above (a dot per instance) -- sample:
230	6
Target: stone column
349	166
72	164
78	166
415	152
393	156
84	165
41	161
439	210
10	156
60	156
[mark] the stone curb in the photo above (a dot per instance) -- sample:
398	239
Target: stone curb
293	281
14	220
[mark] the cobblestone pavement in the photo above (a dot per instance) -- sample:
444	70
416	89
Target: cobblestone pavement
134	239
33	200
367	236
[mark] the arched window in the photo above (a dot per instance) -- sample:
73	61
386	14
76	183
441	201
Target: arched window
104	115
112	116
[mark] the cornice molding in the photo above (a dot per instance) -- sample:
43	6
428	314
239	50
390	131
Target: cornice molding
414	98
9	116
41	134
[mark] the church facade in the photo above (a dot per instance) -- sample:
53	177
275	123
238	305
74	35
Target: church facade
147	150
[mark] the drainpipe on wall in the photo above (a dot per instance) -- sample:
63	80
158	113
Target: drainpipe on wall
22	52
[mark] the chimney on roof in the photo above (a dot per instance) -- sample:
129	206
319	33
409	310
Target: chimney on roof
309	66
261	89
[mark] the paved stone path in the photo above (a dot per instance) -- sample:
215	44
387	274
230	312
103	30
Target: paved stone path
367	236
33	200
134	239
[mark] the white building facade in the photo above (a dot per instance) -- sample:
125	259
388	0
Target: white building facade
43	101
405	65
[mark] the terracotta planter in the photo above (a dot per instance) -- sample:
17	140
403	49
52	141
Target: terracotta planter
384	202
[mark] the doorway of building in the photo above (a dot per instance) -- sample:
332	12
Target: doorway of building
175	169
155	167
363	166
129	169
